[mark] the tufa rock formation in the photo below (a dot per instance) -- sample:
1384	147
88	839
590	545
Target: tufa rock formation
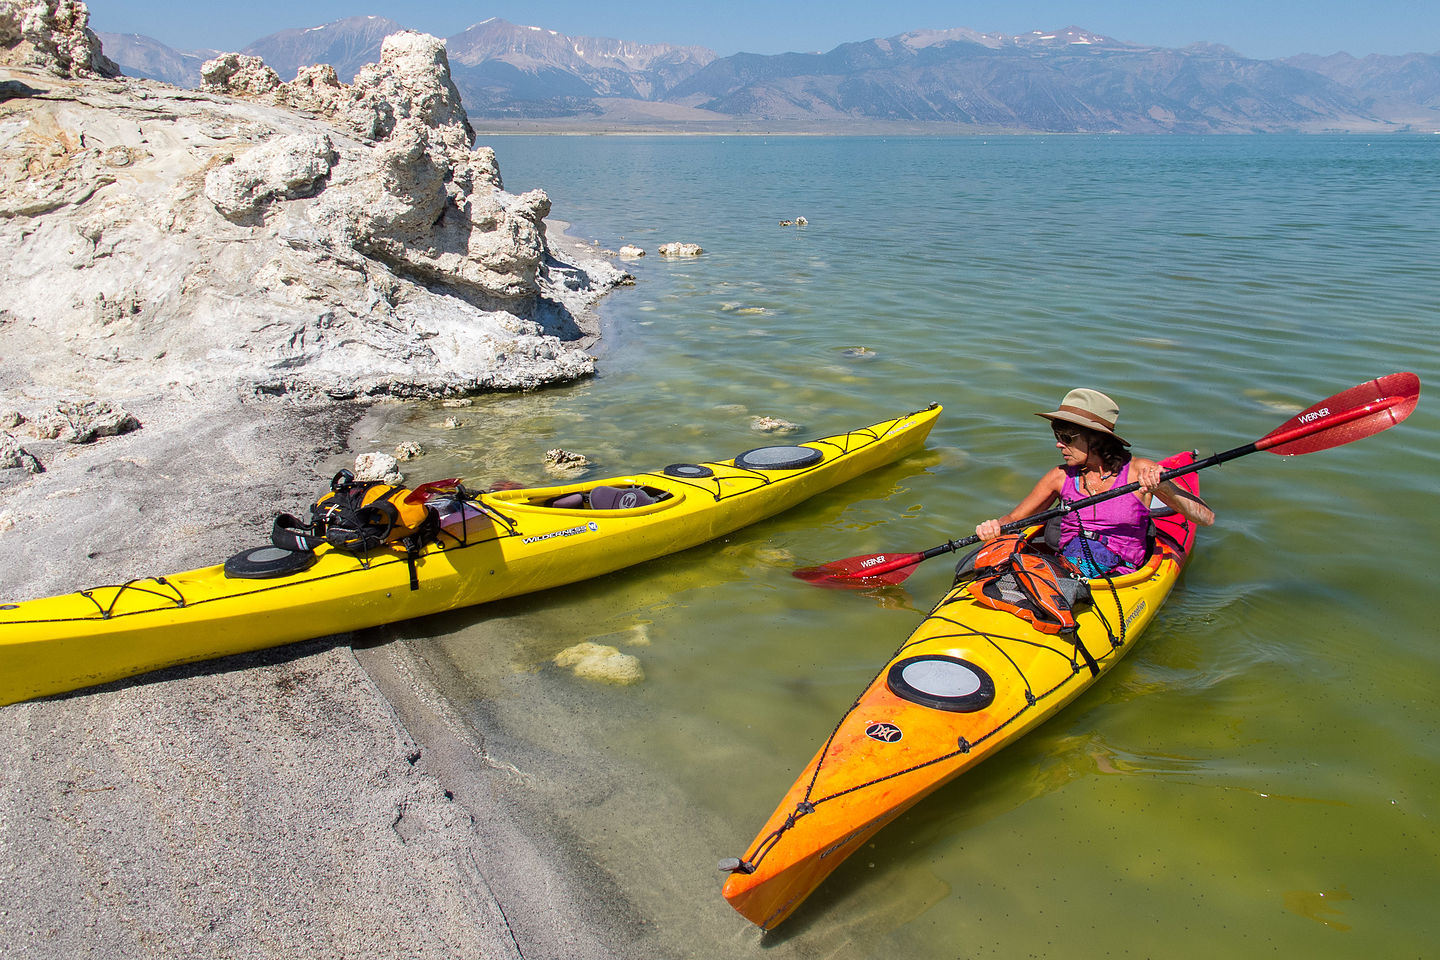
423	202
309	239
51	36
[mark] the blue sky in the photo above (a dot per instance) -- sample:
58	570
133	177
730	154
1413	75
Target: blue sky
1263	29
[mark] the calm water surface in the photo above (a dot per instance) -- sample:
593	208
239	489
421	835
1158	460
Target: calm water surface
1260	777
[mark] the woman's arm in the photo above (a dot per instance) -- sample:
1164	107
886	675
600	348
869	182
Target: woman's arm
1045	493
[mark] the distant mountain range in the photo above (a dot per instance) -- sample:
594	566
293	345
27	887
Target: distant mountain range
141	56
1070	81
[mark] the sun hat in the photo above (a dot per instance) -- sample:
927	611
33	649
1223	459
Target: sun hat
1090	409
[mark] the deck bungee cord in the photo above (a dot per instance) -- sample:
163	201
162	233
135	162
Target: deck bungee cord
106	610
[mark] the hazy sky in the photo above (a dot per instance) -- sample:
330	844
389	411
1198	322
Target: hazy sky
1263	29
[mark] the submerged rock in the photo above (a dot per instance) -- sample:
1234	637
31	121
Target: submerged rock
773	425
598	661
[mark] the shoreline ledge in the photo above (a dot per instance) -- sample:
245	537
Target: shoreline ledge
321	799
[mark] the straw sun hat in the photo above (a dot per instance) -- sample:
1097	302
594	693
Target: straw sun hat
1090	409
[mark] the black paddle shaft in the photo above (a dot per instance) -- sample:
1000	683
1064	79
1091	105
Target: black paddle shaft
1065	508
1349	415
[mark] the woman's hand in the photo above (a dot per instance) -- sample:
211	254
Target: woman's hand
988	530
1148	476
1187	504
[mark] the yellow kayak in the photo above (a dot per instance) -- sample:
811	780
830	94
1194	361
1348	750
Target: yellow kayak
967	682
492	546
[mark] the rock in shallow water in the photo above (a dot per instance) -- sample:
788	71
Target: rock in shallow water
598	661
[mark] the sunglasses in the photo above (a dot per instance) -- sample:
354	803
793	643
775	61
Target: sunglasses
1067	437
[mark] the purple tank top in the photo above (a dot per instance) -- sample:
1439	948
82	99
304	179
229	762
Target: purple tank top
1120	523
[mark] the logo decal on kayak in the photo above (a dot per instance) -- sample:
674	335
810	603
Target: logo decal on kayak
1139	609
884	732
590	527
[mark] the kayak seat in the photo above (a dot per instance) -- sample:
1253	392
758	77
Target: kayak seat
619	498
966	564
1051	535
610	498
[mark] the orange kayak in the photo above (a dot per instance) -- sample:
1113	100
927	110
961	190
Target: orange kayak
968	681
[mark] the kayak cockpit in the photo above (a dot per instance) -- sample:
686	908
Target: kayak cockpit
632	498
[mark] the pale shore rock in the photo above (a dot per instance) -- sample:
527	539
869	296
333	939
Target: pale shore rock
378	466
209	268
237	243
285	168
239	76
15	457
565	462
601	662
680	250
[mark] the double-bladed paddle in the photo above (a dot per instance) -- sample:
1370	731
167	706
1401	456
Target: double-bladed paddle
1349	415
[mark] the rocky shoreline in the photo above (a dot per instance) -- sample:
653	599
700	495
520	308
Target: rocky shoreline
236	309
318	800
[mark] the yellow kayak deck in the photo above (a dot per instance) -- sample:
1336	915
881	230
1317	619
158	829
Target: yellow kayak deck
512	542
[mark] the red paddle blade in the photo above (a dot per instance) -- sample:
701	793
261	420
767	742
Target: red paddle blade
435	488
858	573
1349	415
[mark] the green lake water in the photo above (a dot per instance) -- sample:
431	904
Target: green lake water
1259	778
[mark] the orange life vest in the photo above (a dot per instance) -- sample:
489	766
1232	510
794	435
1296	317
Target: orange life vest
1010	578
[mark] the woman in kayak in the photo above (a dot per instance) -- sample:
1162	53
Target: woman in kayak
1110	536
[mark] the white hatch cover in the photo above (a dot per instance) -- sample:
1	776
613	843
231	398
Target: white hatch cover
942	682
